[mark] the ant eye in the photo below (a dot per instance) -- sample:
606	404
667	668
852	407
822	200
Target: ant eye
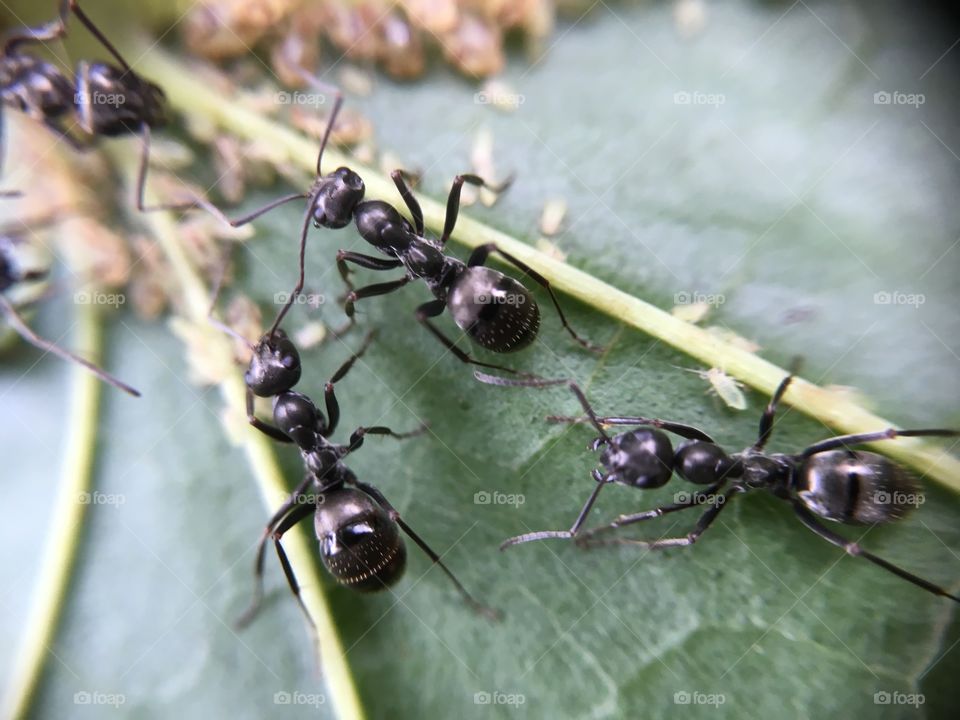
289	361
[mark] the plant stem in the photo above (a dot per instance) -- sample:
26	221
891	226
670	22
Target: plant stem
273	489
193	98
69	511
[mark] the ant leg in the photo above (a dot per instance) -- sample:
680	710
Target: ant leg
267	429
766	420
479	257
357	436
690	538
848	441
324	87
415	211
330	396
72	5
693	500
453	201
16	322
84	97
371	291
196	202
852	548
289	508
52	30
304	230
435	308
314	195
685	431
563	534
427	550
364	261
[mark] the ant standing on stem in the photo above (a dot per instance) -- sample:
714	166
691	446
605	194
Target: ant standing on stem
356	526
828	480
496	311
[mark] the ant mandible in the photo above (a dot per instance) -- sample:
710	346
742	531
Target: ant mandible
828	480
13	274
357	528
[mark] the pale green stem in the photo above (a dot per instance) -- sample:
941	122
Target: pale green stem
194	301
69	510
193	98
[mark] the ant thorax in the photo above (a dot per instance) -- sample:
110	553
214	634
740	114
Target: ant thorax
764	471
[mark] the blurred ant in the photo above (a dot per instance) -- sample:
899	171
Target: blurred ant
496	311
828	480
103	100
14	274
357	528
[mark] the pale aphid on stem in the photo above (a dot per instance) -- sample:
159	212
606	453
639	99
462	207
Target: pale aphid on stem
723	386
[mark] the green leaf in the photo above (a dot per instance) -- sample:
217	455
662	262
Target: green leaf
664	198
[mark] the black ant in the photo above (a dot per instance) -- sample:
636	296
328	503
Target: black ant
828	480
12	274
104	100
357	528
495	310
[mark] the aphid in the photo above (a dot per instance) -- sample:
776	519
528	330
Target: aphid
552	216
829	480
726	335
691	312
723	386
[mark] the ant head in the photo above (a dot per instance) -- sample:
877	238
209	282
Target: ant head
338	195
701	462
360	544
641	458
154	104
121	101
856	487
495	310
275	365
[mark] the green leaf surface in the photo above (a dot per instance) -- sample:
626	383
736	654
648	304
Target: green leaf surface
798	199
